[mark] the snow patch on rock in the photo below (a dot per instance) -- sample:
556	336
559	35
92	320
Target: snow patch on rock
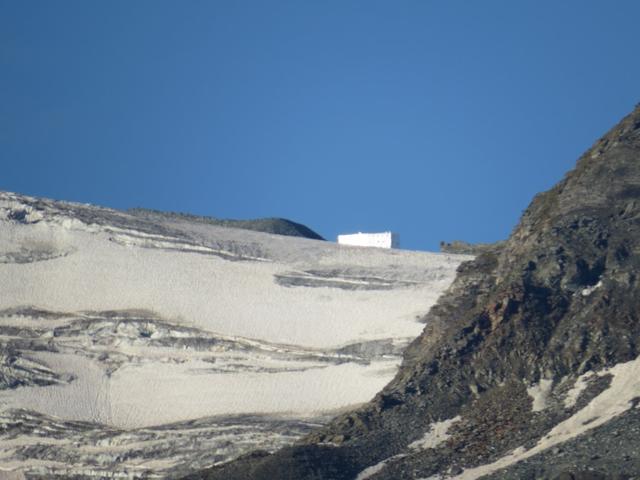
436	435
589	290
581	384
539	393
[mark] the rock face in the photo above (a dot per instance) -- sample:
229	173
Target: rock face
527	360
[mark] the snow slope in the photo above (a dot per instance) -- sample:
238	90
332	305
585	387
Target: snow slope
134	321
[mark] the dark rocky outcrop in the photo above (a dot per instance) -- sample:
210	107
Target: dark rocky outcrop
466	248
559	298
278	226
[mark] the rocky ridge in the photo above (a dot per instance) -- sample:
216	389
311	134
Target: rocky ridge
529	357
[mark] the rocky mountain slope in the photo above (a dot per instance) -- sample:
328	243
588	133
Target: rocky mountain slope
147	345
528	366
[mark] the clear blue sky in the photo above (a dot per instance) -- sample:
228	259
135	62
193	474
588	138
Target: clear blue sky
434	119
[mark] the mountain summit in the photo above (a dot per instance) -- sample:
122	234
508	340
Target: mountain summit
528	365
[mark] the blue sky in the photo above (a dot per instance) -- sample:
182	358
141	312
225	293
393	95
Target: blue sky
437	120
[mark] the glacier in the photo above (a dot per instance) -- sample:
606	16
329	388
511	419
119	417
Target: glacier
145	345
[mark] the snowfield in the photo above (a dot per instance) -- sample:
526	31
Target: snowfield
120	327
